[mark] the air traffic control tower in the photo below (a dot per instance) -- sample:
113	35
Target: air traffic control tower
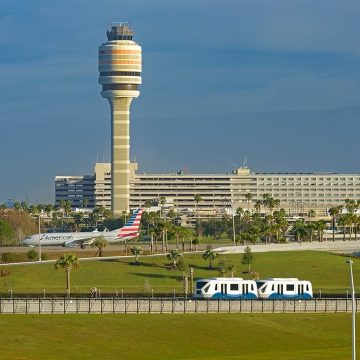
120	76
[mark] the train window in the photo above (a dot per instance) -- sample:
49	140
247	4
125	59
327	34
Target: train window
200	284
215	286
206	289
234	287
273	287
259	284
290	287
252	287
307	287
264	289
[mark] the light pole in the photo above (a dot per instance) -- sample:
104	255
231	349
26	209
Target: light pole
350	262
39	241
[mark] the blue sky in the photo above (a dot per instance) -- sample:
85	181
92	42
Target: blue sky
275	81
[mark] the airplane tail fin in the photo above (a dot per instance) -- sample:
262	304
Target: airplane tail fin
131	228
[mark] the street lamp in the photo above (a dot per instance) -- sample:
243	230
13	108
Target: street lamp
350	262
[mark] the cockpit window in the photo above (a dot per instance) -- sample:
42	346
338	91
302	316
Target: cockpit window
200	284
259	284
206	289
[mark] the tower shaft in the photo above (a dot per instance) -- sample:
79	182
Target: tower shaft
120	145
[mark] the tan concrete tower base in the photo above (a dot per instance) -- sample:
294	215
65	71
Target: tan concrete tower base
120	158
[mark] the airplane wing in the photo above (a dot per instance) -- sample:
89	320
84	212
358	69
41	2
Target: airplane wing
82	242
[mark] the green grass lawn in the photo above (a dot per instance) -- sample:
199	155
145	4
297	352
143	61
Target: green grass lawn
195	336
326	271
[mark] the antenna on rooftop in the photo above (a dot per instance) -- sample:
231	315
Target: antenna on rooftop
244	165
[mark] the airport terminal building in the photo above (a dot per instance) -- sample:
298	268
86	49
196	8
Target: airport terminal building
298	192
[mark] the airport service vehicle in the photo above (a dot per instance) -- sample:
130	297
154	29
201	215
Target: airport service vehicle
284	288
129	231
225	288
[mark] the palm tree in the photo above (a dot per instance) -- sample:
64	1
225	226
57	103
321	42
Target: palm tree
67	208
298	230
173	255
320	227
172	215
152	233
67	262
342	223
334	213
148	204
356	225
177	231
100	242
162	201
196	241
311	214
185	232
136	251
167	226
211	256
238	218
85	203
349	222
78	218
257	206
248	197
269	202
49	208
161	229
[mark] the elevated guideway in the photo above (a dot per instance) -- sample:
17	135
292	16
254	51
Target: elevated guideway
118	305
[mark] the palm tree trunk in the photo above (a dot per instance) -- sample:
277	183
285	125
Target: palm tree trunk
177	241
126	252
163	242
156	244
151	243
183	244
333	225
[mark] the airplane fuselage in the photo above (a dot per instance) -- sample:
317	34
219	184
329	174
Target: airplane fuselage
66	239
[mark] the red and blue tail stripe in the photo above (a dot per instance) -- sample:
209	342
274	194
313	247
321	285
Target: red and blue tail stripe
131	228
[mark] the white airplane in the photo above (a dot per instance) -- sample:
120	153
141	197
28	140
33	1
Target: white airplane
71	239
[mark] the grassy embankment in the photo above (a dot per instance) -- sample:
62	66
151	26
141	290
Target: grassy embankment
196	336
328	273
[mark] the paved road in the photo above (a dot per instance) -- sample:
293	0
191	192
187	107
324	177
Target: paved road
110	248
338	246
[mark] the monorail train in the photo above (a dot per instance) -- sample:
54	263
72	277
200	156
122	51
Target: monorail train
284	288
238	288
225	288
